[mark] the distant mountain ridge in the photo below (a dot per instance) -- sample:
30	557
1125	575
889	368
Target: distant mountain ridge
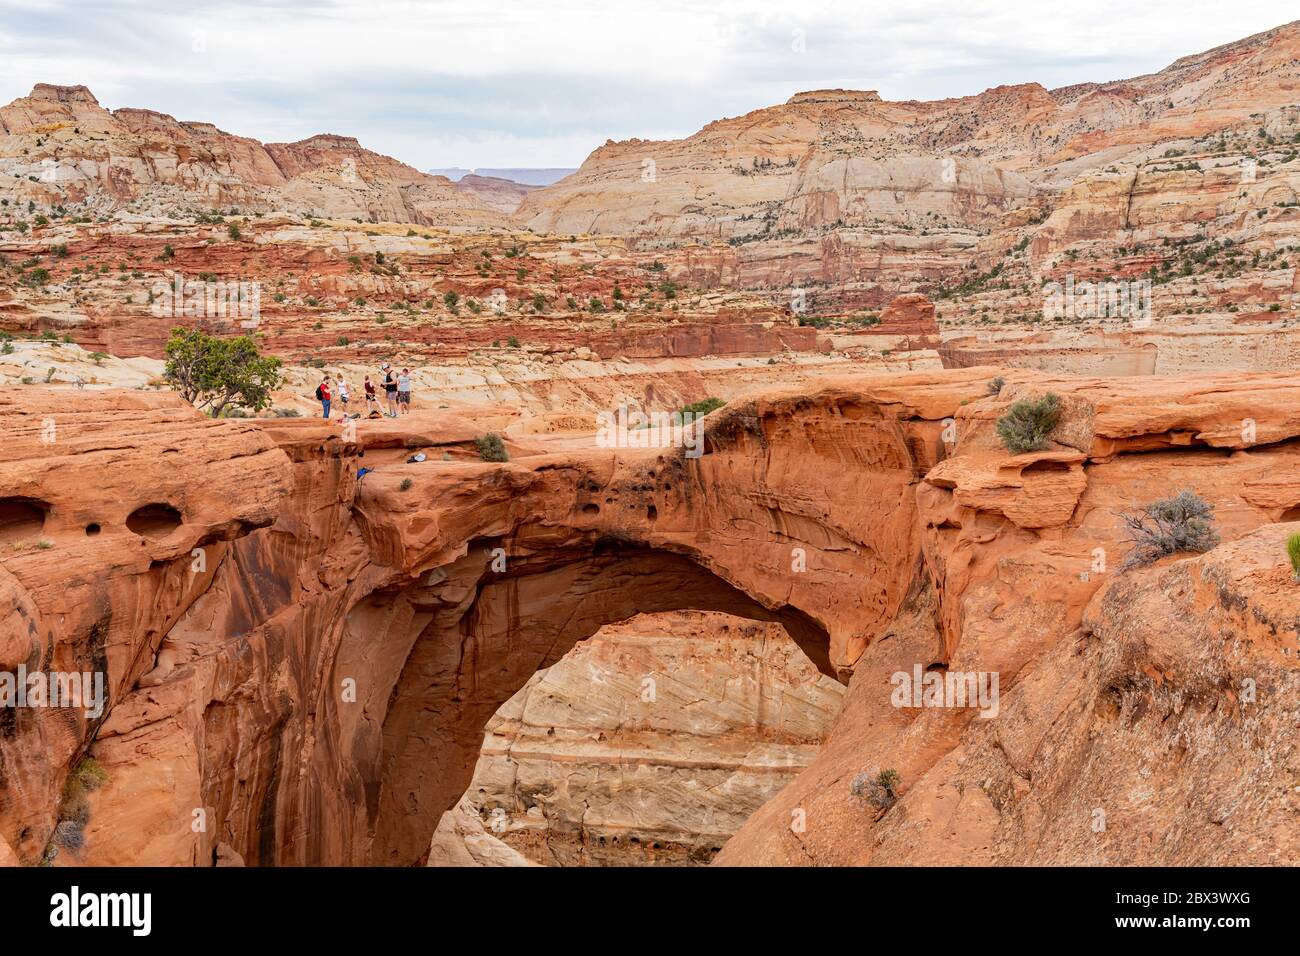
59	146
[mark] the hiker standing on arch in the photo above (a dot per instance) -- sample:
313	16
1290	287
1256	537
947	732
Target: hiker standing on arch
372	401
323	396
404	392
345	394
390	389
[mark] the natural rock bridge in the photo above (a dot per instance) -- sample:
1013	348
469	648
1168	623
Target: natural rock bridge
300	664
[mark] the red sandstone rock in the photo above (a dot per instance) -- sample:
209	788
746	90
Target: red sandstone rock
231	689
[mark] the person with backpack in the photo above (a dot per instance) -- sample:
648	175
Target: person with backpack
404	391
390	389
323	396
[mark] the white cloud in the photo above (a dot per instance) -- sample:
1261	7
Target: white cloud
497	83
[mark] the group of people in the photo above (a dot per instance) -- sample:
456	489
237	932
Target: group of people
397	394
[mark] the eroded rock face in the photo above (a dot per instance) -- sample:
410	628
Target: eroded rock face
830	159
316	689
74	150
648	744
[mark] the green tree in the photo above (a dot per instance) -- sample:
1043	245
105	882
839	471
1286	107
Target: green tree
214	373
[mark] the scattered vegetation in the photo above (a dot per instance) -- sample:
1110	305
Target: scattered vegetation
1293	553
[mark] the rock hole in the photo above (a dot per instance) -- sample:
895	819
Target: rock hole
154	520
651	513
21	518
92	529
1291	514
590	509
1045	466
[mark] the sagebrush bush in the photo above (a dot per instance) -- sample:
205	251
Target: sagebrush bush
69	834
1028	422
878	788
996	385
491	448
1168	526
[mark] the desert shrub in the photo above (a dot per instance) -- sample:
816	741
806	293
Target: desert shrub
1168	526
1028	422
69	834
700	408
879	789
1293	553
74	808
491	448
286	413
996	385
405	485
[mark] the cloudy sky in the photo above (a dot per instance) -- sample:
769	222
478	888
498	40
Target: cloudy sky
543	82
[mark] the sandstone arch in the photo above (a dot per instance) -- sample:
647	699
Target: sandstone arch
445	637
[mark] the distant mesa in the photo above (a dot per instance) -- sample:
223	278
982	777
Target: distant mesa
524	176
835	96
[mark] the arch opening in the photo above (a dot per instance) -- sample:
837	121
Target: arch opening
476	637
648	744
